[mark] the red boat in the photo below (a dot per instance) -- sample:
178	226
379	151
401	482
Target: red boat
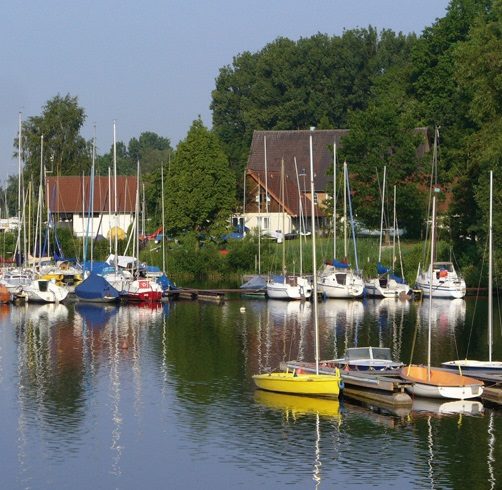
142	290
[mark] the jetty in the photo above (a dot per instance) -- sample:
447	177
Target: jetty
383	387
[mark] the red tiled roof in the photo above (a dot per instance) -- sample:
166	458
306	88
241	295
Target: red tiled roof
65	194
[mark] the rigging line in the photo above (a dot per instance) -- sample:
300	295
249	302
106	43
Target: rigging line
476	302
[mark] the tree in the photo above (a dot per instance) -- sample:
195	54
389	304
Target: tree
65	151
384	135
478	64
314	81
200	188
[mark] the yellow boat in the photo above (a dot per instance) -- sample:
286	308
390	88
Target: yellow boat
296	383
298	405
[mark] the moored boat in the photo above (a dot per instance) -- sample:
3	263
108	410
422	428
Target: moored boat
142	290
296	383
438	383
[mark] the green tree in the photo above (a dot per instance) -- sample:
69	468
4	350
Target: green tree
200	188
65	151
478	68
294	85
384	135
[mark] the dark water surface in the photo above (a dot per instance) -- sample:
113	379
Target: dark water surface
130	397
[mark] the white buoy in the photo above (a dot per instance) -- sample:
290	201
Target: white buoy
243	309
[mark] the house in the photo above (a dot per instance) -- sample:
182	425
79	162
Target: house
265	198
68	200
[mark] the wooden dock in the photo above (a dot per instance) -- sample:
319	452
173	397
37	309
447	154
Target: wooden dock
383	387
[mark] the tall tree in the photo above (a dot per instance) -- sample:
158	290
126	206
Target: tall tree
294	85
200	190
478	65
65	151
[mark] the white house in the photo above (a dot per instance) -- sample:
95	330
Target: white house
68	198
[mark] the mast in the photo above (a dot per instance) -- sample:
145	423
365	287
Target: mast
301	214
109	210
345	211
92	192
381	214
19	186
334	200
314	261
283	222
429	336
84	225
137	217
163	219
490	273
115	195
394	226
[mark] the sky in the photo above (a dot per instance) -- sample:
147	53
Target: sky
151	65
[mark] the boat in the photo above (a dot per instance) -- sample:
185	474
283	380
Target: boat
387	284
142	290
366	359
489	365
440	279
426	381
297	382
438	383
287	286
42	291
96	289
337	279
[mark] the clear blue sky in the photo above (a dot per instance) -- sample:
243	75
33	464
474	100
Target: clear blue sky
151	64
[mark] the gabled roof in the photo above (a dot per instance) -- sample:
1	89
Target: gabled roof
288	146
64	194
295	144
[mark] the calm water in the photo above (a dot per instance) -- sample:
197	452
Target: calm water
131	397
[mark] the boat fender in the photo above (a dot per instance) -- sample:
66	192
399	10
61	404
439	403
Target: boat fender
341	385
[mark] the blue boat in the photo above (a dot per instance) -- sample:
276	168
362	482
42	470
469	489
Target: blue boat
96	289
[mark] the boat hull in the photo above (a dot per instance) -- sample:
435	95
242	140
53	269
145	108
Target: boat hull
374	289
299	384
472	365
441	384
340	284
293	288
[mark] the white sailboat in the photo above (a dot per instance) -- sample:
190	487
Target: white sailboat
434	382
42	291
337	279
440	279
300	383
386	284
489	365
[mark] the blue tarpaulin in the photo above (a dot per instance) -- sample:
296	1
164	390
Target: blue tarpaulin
340	265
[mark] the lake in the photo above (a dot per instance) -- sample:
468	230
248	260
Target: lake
134	397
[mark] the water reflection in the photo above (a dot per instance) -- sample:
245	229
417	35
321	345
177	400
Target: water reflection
170	389
446	314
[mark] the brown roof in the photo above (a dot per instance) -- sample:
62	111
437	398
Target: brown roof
65	194
289	145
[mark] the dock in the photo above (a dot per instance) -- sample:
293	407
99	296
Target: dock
383	387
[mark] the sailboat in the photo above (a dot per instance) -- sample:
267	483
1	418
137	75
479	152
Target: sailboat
435	382
440	279
490	365
387	284
140	289
287	286
337	279
294	382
